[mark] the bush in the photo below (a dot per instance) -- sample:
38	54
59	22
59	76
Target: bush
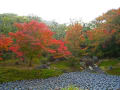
44	60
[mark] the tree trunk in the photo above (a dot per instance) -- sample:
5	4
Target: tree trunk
30	63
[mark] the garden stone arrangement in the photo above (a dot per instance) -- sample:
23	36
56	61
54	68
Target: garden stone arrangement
84	80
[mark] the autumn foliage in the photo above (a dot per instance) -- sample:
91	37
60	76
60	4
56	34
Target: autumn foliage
5	42
110	21
75	39
87	42
33	38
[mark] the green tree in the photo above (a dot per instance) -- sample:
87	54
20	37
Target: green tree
7	20
59	30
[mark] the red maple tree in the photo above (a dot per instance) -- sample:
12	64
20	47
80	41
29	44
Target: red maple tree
33	38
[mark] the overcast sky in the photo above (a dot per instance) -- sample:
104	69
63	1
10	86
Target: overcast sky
59	10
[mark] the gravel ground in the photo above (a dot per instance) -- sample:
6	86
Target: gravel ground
83	80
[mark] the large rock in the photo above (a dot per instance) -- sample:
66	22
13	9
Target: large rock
95	59
85	58
44	66
51	59
87	61
60	59
110	68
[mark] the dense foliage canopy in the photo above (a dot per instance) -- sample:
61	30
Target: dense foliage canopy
33	38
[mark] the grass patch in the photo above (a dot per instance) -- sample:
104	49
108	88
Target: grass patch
111	62
72	88
21	65
114	71
60	65
11	72
65	66
115	63
7	74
